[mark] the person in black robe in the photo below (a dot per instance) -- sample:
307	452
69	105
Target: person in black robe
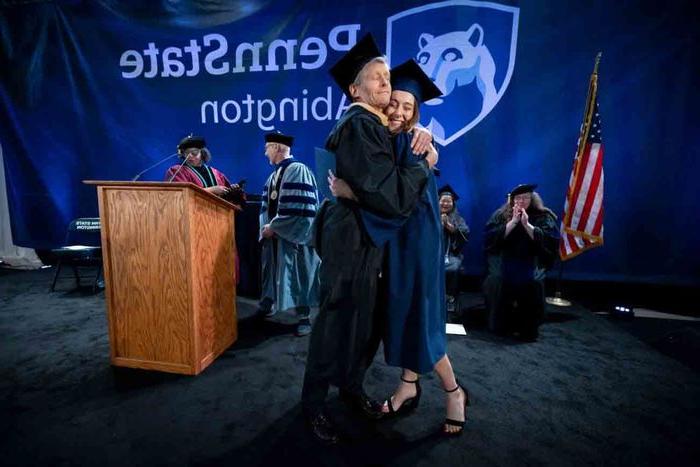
455	233
414	268
521	240
346	332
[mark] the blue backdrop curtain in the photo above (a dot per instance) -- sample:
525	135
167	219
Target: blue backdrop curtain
101	90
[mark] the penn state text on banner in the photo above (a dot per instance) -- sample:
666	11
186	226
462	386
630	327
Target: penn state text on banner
133	78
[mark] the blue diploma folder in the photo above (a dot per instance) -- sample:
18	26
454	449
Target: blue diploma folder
325	161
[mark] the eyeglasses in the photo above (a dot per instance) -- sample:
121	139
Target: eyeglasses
193	151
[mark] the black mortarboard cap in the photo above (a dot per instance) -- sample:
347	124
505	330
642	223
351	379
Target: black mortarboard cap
191	142
347	68
279	137
522	188
410	77
447	190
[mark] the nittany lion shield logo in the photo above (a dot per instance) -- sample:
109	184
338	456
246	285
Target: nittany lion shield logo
468	50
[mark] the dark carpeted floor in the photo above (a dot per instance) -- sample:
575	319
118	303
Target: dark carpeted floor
587	393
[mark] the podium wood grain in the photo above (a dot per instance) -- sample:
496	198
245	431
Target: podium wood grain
169	260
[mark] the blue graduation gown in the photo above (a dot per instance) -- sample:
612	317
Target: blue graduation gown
290	265
416	310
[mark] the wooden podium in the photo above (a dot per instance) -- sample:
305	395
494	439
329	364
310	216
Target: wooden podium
169	265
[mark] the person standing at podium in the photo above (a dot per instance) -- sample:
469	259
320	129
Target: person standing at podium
194	168
289	264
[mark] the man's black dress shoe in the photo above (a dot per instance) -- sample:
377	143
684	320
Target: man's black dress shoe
361	403
322	428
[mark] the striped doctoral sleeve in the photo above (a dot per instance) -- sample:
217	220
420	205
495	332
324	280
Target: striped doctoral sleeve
298	204
298	196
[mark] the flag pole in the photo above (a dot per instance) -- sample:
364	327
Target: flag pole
558	300
585	127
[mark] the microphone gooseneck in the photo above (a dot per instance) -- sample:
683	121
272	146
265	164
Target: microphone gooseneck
180	168
154	165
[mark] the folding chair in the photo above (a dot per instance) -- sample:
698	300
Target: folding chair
77	256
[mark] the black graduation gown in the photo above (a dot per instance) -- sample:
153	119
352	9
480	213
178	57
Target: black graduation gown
339	347
516	269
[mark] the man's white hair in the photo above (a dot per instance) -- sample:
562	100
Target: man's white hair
361	75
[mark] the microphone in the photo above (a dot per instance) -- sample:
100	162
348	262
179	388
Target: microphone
180	168
154	165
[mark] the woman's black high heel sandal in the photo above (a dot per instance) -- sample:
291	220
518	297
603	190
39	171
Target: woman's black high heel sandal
409	405
457	423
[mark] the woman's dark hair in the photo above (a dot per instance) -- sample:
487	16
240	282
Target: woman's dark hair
416	116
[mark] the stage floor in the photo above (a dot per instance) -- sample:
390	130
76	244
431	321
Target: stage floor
591	391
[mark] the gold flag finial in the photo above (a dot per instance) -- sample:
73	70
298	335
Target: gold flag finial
597	62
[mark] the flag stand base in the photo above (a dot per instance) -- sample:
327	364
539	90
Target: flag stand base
557	300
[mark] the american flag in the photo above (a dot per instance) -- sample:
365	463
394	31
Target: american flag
582	223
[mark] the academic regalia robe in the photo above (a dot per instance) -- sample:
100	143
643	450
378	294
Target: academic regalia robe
189	174
416	314
339	348
517	266
452	244
289	264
